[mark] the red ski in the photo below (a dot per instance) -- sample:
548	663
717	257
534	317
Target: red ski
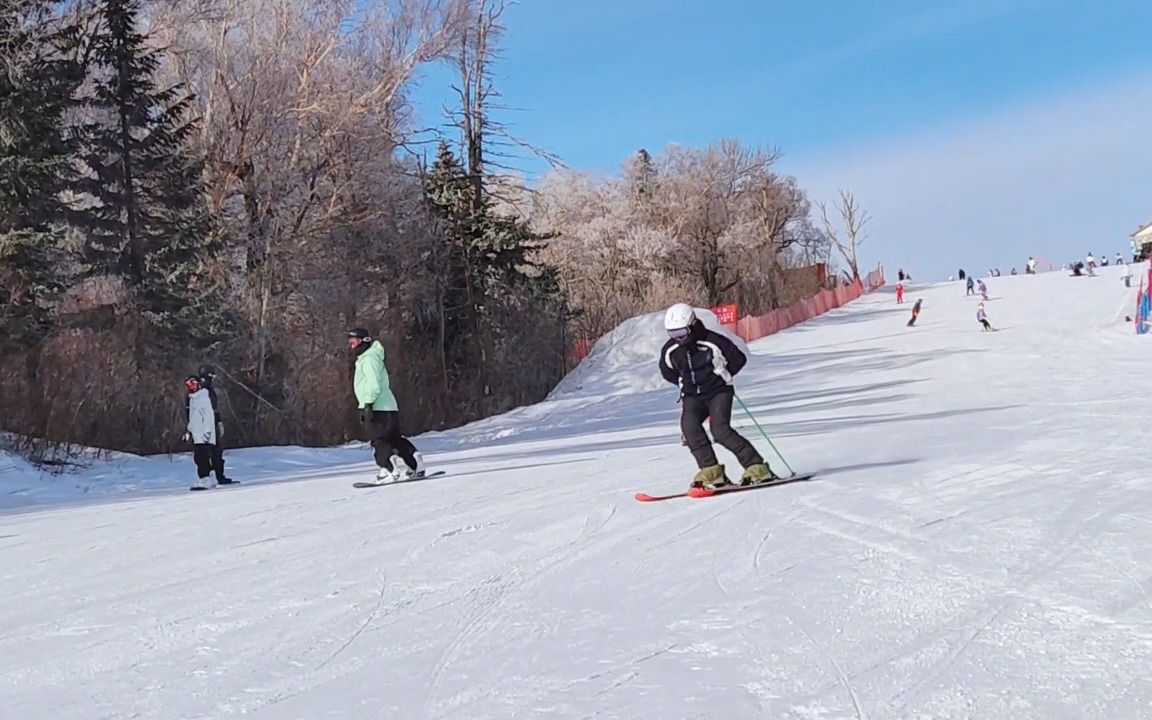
704	492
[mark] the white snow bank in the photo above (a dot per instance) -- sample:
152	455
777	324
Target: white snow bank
625	360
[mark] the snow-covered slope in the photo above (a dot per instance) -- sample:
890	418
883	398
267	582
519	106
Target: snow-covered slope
622	361
978	544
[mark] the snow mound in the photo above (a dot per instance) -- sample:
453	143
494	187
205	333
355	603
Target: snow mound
625	360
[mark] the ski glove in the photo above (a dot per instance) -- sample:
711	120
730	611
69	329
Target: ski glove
187	437
219	431
367	415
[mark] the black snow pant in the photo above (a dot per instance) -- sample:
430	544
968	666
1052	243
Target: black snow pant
719	406
986	325
383	432
208	458
218	461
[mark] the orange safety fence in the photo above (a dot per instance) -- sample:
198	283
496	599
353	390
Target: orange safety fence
751	328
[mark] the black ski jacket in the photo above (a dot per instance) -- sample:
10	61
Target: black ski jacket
704	365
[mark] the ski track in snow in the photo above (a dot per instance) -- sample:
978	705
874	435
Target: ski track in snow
976	543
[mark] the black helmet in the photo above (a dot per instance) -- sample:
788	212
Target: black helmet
360	334
208	371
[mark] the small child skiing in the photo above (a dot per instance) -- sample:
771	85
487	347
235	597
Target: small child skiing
900	293
982	317
702	363
915	312
201	432
983	289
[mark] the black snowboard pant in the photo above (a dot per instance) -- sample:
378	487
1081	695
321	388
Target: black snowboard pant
719	406
382	430
208	457
218	461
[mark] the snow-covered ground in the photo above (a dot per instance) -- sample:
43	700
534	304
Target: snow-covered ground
977	544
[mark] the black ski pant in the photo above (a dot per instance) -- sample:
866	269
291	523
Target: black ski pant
719	406
208	458
382	429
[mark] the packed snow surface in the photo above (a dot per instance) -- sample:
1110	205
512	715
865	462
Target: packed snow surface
977	544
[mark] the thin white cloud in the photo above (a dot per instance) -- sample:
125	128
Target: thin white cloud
1055	178
933	20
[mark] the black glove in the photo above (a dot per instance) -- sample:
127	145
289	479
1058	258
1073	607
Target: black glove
367	414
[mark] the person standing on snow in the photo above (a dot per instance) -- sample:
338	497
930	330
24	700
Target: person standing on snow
982	317
201	432
379	412
971	287
983	289
900	293
207	377
702	363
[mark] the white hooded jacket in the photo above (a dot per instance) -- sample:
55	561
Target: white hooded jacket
201	418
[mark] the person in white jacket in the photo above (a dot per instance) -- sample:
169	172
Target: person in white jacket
201	432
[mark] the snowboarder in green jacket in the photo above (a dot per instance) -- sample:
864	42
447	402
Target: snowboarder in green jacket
379	412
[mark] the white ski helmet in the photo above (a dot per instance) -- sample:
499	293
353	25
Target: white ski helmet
679	317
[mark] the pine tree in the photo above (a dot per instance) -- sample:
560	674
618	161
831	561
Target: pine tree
149	224
492	288
448	193
37	78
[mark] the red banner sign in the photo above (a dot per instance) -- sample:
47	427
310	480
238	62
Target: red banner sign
726	314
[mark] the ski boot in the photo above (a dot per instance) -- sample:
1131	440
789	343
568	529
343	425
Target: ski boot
710	478
756	474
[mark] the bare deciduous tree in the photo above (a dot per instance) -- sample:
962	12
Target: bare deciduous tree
703	198
303	106
853	218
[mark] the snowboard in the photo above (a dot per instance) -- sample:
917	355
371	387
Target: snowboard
704	492
194	488
425	476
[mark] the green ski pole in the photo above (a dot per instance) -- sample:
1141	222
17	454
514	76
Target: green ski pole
768	439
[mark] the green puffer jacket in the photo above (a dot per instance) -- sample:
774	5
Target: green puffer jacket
372	386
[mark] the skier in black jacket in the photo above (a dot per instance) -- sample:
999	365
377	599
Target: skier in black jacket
702	363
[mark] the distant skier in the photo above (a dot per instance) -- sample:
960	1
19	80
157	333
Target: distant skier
1030	268
971	286
207	376
915	312
702	363
379	412
900	293
982	317
983	289
201	432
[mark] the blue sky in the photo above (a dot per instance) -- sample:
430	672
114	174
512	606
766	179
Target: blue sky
976	132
